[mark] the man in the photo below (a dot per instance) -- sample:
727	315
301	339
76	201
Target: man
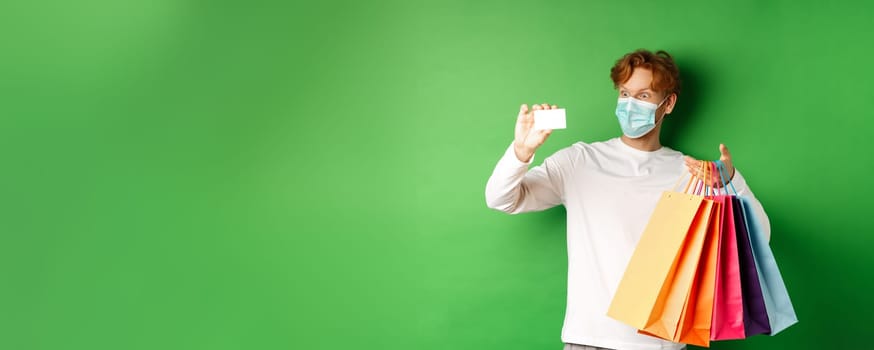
609	189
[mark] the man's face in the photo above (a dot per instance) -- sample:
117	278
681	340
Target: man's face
638	86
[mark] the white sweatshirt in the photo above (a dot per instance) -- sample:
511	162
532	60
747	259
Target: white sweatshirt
609	190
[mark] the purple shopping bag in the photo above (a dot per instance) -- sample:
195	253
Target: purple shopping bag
755	314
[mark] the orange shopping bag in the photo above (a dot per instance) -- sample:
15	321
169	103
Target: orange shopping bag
655	259
697	318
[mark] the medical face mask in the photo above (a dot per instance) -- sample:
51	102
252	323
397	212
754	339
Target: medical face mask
636	117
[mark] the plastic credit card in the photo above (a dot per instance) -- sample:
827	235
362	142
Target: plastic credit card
549	119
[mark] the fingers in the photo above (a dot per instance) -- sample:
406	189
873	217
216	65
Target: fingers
692	163
542	106
525	113
724	156
694	166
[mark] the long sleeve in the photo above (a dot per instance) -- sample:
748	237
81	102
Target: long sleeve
514	189
740	185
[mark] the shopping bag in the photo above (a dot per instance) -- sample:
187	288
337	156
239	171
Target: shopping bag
755	315
727	320
781	314
655	257
673	298
696	323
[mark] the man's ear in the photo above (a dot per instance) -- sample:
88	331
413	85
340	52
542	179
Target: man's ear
669	106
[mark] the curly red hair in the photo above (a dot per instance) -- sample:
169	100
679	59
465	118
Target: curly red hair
665	75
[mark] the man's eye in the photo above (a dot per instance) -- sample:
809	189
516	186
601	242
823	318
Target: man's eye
624	94
644	96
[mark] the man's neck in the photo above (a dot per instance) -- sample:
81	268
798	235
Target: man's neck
647	143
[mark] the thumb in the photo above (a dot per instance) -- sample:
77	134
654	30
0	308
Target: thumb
524	116
723	151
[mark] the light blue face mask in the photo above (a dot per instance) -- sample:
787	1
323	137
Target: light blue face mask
636	117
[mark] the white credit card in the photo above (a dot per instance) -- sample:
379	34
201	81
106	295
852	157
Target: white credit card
549	119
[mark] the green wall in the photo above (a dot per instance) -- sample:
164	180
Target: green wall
287	175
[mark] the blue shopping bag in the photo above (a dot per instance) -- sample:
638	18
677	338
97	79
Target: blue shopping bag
781	314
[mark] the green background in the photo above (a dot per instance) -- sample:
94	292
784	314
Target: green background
310	175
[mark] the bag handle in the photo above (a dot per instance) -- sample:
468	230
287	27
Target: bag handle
713	170
721	167
699	183
706	187
693	179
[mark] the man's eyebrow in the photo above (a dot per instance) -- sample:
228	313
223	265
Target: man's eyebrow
625	88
